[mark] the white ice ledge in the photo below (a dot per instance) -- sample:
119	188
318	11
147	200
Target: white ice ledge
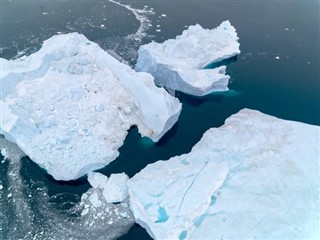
256	177
69	105
179	64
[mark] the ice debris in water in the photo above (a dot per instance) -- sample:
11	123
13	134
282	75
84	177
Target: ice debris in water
107	201
141	16
4	153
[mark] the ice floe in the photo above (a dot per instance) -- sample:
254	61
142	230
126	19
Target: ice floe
180	64
256	177
69	105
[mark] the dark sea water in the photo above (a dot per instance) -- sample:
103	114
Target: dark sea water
277	72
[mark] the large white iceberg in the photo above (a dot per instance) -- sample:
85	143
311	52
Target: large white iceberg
69	105
256	177
179	64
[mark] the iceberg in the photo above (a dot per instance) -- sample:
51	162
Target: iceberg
69	105
180	64
256	177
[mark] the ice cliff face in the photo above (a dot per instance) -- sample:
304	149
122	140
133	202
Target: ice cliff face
179	64
255	177
69	105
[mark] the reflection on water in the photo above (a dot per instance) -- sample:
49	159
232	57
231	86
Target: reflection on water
224	62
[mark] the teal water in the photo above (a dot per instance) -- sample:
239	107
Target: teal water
288	87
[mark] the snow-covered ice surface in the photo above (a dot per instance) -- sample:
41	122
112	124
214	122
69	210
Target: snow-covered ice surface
179	64
256	177
69	105
114	188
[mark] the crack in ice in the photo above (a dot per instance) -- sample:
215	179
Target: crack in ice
193	181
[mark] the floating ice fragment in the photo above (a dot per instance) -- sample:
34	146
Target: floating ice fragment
97	180
4	153
116	188
94	200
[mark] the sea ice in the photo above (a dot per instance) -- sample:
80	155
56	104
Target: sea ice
4	153
256	177
180	64
110	220
69	105
97	219
98	202
141	16
97	180
114	189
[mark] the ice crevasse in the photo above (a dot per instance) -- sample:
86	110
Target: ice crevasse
256	177
69	105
